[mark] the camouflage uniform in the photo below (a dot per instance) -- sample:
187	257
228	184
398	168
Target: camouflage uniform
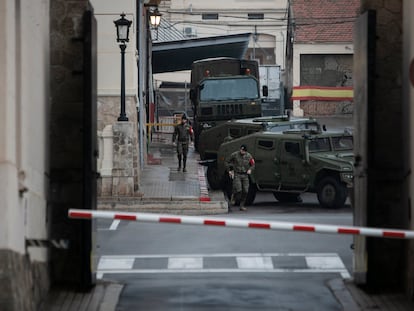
183	133
240	164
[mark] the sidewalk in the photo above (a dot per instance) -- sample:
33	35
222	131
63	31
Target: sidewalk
164	189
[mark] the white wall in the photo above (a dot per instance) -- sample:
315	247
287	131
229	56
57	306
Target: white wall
233	19
109	56
24	95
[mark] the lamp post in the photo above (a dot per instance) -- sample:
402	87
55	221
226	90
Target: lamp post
122	36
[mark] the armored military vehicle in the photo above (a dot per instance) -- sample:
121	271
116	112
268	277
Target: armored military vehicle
297	161
211	139
224	88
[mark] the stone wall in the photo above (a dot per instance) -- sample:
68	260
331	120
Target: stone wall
326	70
109	108
18	275
124	178
313	108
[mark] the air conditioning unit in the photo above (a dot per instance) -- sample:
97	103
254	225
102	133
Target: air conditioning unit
189	32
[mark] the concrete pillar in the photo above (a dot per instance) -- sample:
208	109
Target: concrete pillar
123	159
107	151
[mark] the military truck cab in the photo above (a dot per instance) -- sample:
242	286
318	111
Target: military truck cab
224	88
294	162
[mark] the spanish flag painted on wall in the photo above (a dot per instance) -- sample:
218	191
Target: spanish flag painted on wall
322	93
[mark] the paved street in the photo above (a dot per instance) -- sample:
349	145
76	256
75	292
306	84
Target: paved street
175	267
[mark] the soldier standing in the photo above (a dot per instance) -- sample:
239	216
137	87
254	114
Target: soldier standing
183	133
240	165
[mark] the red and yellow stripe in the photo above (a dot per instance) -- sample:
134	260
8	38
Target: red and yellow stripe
322	93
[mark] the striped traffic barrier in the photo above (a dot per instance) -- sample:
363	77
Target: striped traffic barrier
242	223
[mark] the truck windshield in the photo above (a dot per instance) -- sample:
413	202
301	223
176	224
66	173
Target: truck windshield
343	143
339	143
228	89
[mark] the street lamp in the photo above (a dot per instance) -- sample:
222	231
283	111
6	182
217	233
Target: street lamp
155	20
122	35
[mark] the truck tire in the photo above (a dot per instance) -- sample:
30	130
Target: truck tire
287	197
214	181
331	193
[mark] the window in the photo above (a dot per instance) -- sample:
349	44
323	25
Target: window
319	145
235	132
292	148
343	143
229	89
255	16
209	16
265	144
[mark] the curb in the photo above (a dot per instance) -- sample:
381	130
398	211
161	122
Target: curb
177	207
343	295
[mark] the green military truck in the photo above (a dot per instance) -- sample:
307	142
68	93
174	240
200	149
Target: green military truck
297	161
222	89
211	139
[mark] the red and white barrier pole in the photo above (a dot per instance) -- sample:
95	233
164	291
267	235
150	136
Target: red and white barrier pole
242	223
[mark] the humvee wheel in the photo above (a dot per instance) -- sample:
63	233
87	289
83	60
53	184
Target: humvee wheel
212	177
331	193
287	197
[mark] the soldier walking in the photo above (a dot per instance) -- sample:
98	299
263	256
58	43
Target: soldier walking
240	165
183	134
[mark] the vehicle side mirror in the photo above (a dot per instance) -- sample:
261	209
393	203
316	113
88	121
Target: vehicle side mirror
265	91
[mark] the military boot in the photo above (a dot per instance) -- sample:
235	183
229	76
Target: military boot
184	165
233	199
243	202
179	163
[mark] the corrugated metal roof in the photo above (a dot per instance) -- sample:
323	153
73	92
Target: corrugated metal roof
178	55
166	32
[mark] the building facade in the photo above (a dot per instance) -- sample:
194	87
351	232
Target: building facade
265	20
320	56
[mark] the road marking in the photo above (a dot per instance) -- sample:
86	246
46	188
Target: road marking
243	263
106	264
222	255
114	224
253	262
185	263
110	263
327	263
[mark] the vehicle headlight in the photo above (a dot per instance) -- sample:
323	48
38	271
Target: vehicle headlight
347	177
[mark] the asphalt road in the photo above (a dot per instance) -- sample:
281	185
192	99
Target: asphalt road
176	267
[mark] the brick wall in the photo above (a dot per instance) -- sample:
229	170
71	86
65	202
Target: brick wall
326	70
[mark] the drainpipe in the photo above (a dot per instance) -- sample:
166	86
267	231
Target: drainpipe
140	40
